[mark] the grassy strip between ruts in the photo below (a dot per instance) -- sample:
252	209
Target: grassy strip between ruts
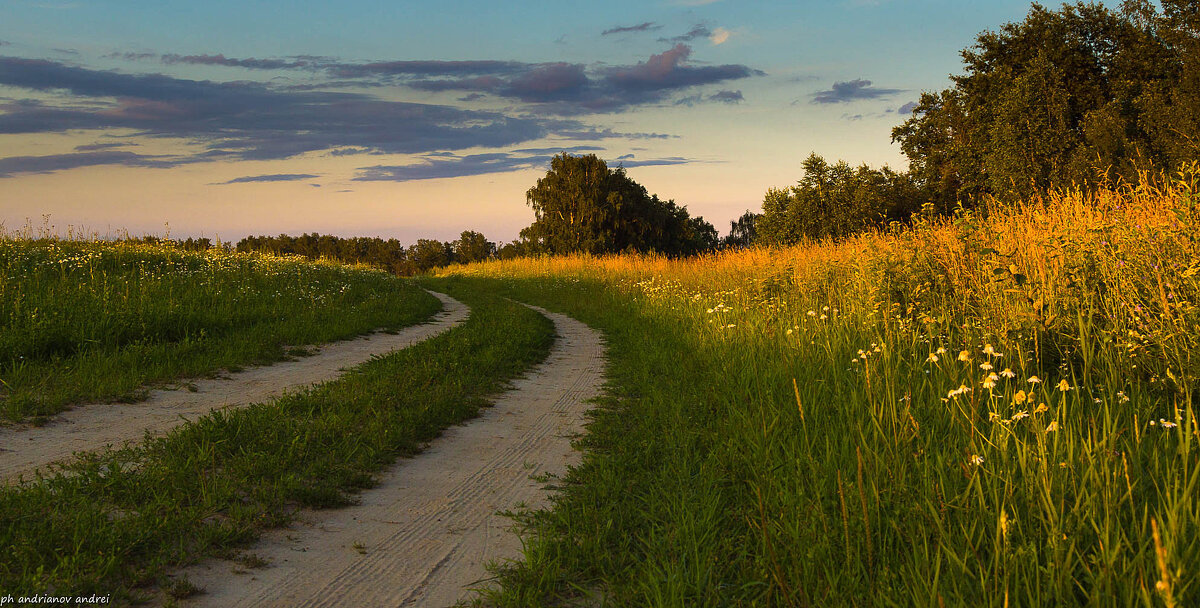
114	522
95	320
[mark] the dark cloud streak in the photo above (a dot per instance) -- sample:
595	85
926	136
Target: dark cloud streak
275	177
648	26
844	92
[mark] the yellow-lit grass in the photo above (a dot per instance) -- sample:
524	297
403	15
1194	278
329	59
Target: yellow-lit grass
1013	387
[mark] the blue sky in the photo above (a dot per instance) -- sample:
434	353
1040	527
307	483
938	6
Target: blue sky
423	119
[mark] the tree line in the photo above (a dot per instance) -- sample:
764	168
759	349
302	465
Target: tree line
1078	97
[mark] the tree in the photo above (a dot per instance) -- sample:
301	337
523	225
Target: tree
472	247
833	201
583	206
429	253
1064	97
742	231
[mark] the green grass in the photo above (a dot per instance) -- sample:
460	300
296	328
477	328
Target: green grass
98	321
116	521
997	410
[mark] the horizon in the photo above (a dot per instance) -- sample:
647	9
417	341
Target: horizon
411	122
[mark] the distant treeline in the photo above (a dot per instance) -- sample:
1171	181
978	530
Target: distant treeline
390	254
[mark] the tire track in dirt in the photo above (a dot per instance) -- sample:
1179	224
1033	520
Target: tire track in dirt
424	535
94	426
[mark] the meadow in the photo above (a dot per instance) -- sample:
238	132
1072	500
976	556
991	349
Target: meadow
120	521
994	409
95	320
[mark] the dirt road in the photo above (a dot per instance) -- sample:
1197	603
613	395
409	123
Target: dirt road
91	427
424	535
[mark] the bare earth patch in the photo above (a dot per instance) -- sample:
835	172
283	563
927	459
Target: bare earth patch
424	536
94	426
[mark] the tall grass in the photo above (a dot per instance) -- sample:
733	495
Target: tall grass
86	320
993	410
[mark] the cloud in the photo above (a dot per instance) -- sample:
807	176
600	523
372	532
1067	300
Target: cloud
426	68
719	36
648	26
255	64
245	120
654	162
730	97
16	165
574	88
698	31
843	92
727	97
472	97
277	177
908	107
4	43
442	166
101	146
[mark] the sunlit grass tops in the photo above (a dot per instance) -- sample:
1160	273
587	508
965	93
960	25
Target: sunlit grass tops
62	299
1003	399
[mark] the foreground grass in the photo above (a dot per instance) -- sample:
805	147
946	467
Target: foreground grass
990	412
116	521
96	320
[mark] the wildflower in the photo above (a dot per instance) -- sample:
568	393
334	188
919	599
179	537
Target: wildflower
1019	398
1017	417
990	381
1166	424
932	358
961	390
1034	380
988	350
1053	426
823	317
964	356
985	366
977	460
789	331
1063	386
993	416
811	313
1040	408
941	350
1122	397
1008	373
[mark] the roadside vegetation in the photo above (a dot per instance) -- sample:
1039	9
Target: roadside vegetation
101	320
992	409
117	521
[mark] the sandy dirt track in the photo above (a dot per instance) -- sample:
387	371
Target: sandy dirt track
425	534
91	427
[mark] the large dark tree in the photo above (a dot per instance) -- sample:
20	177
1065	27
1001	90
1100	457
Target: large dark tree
583	206
833	201
1065	97
472	246
742	231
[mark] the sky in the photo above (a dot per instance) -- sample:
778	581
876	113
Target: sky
412	120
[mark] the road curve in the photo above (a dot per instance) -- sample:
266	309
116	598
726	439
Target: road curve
94	426
425	534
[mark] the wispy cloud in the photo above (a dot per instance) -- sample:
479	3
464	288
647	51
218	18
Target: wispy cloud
843	92
730	97
442	166
239	120
276	177
16	165
648	26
